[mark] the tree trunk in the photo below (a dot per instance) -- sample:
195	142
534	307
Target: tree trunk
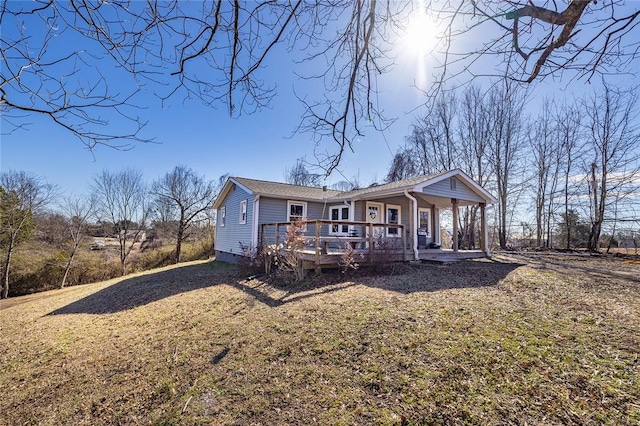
598	208
68	267
566	200
5	281
179	241
178	246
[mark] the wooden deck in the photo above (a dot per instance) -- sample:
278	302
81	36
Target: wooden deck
367	243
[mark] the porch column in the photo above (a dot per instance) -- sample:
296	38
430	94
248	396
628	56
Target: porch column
454	206
484	230
413	226
436	226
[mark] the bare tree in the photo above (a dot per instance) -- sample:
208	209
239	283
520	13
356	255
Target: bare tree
188	196
131	43
347	185
542	146
534	41
402	166
122	199
128	45
505	149
569	138
473	132
45	46
300	175
613	138
78	209
22	194
479	132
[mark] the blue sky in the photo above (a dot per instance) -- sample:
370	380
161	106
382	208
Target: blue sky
261	145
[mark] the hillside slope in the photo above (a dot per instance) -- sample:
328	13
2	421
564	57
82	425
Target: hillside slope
514	340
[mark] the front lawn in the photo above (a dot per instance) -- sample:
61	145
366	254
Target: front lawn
535	340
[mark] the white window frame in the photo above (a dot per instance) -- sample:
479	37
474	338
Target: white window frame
340	231
428	211
223	215
296	203
386	219
243	212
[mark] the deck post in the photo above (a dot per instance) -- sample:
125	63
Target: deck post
317	226
454	206
371	243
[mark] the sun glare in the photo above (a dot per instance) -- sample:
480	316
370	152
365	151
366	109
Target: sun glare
421	34
417	42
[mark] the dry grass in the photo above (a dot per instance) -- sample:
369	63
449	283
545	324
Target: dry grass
521	340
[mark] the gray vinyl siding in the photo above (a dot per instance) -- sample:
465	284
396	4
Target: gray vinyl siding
443	189
403	202
272	210
229	237
275	210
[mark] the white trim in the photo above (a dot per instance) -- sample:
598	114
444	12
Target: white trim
296	203
339	207
222	212
436	226
225	191
414	232
256	217
379	231
428	211
242	220
386	219
244	188
380	210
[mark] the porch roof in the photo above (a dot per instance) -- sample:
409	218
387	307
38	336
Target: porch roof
417	185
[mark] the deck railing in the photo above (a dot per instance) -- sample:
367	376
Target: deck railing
320	235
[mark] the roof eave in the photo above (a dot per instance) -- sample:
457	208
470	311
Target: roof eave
225	191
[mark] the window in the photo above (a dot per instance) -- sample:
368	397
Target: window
393	218
223	215
453	182
243	212
296	210
339	213
423	222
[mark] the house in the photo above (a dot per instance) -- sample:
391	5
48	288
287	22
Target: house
252	213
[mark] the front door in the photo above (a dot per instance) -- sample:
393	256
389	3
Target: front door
374	213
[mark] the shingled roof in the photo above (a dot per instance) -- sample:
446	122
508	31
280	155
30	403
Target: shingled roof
285	190
310	193
400	184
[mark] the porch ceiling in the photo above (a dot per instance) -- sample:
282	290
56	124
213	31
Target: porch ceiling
442	202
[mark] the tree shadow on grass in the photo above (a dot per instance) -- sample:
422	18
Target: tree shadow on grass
399	278
468	273
142	290
590	266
